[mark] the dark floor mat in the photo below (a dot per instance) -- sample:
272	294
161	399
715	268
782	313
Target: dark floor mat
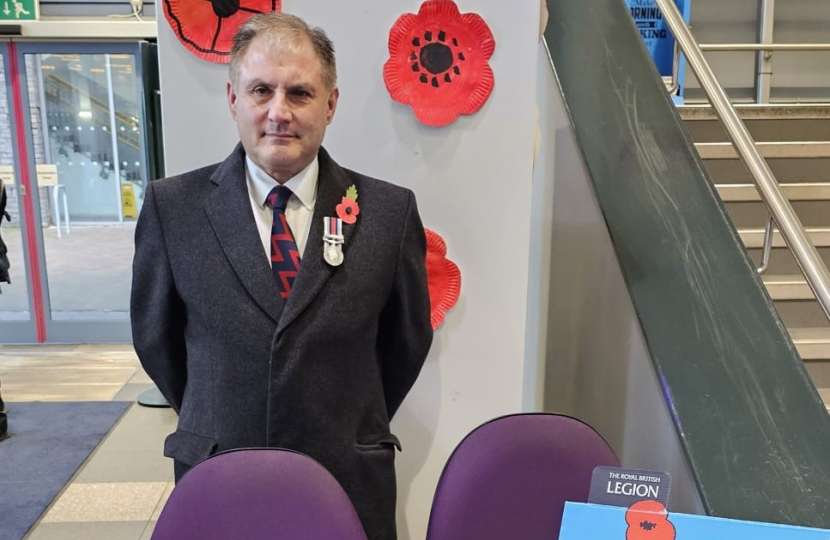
48	442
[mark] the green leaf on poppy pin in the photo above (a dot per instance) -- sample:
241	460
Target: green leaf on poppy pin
351	193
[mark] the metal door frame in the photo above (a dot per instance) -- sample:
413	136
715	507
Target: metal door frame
48	329
26	331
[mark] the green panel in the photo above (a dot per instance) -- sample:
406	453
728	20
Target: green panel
755	432
18	10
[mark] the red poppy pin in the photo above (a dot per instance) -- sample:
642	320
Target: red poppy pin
648	520
348	209
443	279
438	62
206	27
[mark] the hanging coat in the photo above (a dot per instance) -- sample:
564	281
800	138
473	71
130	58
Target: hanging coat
4	258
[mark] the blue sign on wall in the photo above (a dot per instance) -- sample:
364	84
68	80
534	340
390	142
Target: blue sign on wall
656	34
596	522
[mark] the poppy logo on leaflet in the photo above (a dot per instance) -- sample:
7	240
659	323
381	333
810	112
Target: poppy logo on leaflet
648	520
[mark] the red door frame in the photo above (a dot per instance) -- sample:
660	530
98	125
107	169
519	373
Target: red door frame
27	199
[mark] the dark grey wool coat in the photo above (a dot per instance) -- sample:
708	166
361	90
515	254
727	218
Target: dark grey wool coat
321	373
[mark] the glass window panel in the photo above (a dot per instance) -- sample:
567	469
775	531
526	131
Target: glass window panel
130	130
87	105
14	300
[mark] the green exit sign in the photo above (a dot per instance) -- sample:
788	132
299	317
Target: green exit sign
18	10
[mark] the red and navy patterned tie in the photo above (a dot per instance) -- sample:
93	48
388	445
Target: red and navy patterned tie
285	257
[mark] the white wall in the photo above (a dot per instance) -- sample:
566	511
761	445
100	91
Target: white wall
598	365
473	182
539	297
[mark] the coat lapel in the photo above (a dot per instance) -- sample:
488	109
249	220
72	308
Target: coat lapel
314	271
229	211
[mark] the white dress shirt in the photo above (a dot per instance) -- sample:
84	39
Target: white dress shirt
298	212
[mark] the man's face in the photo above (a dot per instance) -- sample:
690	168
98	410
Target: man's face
281	106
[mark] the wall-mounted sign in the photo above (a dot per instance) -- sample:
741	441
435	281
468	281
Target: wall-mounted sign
47	175
648	520
19	10
206	27
657	36
655	32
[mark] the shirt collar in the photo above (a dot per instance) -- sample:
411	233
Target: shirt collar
303	185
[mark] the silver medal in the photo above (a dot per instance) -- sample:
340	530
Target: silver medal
333	254
333	241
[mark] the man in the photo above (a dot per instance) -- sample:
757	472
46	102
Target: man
253	353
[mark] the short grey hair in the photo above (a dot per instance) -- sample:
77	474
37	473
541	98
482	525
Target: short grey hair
280	29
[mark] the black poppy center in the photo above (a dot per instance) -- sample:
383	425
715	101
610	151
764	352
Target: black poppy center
225	8
348	209
436	58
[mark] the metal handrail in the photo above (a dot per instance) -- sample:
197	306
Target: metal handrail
766	251
779	207
57	191
767	48
675	71
721	47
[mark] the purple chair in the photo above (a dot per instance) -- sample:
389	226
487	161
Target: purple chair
510	478
258	494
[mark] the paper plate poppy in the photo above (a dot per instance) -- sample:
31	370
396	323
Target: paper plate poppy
438	62
206	27
648	520
443	279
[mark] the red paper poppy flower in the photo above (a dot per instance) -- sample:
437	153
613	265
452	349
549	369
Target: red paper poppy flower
443	279
438	62
347	210
206	27
648	520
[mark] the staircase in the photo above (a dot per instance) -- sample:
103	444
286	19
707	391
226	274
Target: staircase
795	140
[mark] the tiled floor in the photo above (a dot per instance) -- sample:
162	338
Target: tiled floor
120	490
88	271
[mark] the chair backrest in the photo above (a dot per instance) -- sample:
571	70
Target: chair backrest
510	478
258	494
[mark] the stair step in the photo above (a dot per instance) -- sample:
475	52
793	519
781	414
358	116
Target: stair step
790	111
812	343
771	150
754	215
802	314
754	238
788	287
733	171
817	191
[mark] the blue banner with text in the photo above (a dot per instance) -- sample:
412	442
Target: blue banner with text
644	521
655	32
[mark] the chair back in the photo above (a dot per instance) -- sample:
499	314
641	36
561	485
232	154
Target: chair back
258	494
510	478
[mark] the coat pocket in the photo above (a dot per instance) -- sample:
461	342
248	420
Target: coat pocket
378	442
189	448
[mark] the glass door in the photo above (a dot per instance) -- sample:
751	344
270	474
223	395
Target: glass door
17	311
87	164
